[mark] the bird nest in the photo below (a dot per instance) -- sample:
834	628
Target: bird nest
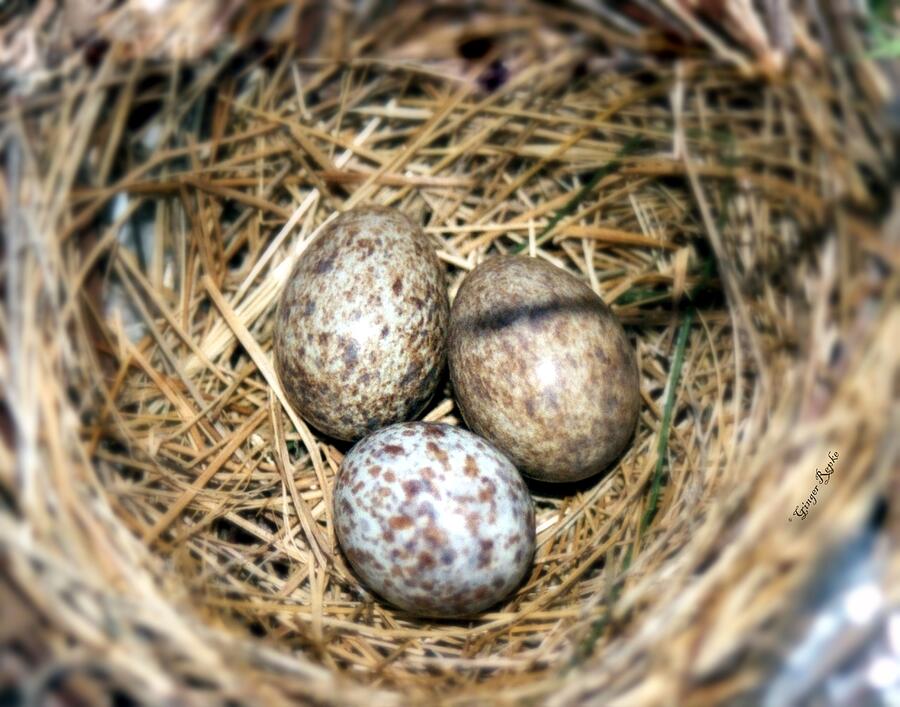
166	516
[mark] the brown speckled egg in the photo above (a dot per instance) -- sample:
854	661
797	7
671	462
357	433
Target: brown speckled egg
542	368
433	519
360	335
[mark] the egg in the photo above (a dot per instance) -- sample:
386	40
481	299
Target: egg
433	519
542	368
360	334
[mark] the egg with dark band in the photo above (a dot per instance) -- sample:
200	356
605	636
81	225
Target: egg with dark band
542	368
360	335
433	519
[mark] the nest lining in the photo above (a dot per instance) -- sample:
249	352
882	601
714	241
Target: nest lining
694	203
229	481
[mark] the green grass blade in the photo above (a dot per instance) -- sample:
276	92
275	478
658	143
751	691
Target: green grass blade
677	363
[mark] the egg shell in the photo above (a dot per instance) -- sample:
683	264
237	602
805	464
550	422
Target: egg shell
360	336
542	368
433	519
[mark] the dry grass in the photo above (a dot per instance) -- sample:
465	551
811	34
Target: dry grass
166	516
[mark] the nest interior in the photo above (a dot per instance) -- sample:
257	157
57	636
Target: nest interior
182	514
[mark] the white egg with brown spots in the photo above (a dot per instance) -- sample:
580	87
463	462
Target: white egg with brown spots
360	335
434	519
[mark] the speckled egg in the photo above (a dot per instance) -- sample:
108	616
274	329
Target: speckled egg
542	368
433	519
360	336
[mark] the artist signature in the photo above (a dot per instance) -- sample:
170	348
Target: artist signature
823	476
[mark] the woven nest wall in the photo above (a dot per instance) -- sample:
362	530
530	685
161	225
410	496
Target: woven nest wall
722	178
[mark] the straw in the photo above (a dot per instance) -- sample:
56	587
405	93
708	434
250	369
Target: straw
165	515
